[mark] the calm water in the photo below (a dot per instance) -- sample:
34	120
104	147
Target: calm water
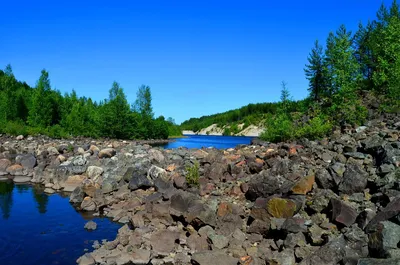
199	141
40	229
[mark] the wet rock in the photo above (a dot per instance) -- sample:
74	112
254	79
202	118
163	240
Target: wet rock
343	213
213	257
107	153
90	225
354	179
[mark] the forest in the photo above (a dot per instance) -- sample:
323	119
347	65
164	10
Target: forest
26	110
350	69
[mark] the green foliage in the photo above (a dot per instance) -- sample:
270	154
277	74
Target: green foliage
41	110
316	72
279	128
193	174
227	131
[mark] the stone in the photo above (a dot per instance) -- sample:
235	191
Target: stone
163	242
88	204
219	241
27	161
52	151
304	186
140	256
385	238
197	243
324	179
367	261
391	210
329	254
4	164
72	182
213	257
354	179
294	225
107	153
281	208
77	195
79	160
21	179
90	225
285	257
86	259
61	158
19	137
49	190
342	213
356	155
15	170
139	181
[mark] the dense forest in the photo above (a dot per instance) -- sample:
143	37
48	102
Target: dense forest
340	76
42	110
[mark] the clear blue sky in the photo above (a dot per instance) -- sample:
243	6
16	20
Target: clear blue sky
198	57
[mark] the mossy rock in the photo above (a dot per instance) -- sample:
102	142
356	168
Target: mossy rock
281	208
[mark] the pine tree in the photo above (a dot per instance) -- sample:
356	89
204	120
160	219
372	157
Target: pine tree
316	72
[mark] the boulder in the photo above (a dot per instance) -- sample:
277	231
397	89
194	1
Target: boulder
94	172
140	256
19	137
265	184
329	254
343	213
368	261
304	186
140	181
27	161
86	259
4	164
391	210
163	242
52	151
88	204
15	170
107	153
72	182
21	179
281	207
384	240
354	179
90	225
77	195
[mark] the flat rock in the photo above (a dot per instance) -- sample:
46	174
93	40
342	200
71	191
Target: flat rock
86	259
72	182
140	256
211	257
163	242
21	179
49	190
27	161
343	213
379	261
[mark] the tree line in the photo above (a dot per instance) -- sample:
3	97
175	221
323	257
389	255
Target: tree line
339	74
43	110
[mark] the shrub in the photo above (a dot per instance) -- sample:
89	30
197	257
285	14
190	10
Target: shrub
193	174
57	131
317	127
278	129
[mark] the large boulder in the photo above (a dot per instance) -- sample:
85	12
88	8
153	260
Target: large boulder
4	164
391	210
343	213
27	161
72	182
385	240
354	179
265	184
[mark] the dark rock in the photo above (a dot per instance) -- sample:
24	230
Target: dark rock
373	143
390	211
354	179
367	261
384	240
294	225
329	254
258	141
343	213
77	195
139	181
324	179
356	155
197	243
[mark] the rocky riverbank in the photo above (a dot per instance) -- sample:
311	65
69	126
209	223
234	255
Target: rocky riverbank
334	201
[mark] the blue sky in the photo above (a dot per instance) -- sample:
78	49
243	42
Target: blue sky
198	57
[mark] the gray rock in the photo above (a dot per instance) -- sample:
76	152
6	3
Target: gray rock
213	257
49	190
163	242
343	213
52	151
109	185
379	261
329	254
324	179
88	204
79	161
356	155
386	238
27	161
90	225
219	241
77	195
86	259
354	179
21	179
94	172
4	164
139	181
140	256
391	210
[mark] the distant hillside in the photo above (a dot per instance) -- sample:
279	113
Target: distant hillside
248	120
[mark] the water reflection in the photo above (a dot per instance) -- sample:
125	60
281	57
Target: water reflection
6	198
41	199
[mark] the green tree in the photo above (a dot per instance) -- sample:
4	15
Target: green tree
285	97
41	110
316	72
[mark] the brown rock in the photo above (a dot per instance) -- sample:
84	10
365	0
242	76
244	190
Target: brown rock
281	208
343	213
304	186
224	209
163	242
15	169
72	182
107	153
4	164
